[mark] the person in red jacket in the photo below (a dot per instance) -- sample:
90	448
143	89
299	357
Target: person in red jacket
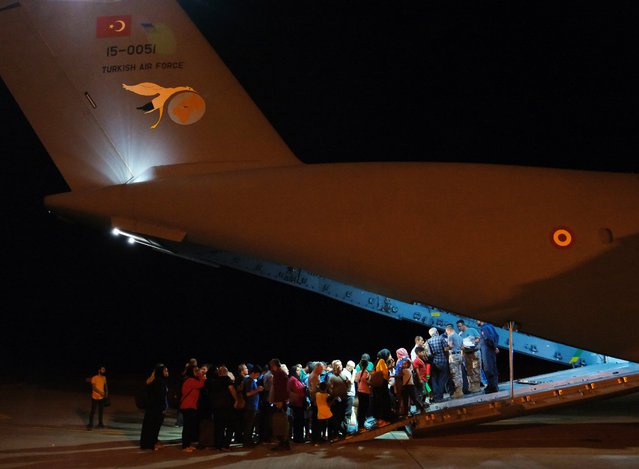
193	382
423	369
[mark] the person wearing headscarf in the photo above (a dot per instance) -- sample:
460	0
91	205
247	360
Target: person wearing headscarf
155	409
381	395
297	399
402	355
364	392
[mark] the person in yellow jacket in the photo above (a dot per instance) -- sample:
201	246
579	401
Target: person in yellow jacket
99	391
323	400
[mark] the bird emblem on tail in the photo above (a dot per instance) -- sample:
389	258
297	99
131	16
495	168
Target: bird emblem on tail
186	111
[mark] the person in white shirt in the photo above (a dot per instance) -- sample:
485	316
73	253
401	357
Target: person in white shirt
419	342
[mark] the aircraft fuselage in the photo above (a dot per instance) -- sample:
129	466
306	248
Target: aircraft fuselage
500	243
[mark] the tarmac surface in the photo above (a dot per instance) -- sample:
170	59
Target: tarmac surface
41	427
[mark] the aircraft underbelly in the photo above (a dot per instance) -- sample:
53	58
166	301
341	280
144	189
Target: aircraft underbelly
485	247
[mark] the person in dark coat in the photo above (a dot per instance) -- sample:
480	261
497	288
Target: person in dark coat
205	413
223	398
381	393
157	393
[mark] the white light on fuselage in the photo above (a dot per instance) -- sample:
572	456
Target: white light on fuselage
131	240
115	232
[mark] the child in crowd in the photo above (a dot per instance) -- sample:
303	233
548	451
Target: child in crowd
323	409
409	391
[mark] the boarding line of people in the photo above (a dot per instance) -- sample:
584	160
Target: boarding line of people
316	402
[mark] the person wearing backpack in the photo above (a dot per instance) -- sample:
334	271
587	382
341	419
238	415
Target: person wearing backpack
409	390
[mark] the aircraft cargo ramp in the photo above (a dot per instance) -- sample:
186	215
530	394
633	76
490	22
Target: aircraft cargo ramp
525	396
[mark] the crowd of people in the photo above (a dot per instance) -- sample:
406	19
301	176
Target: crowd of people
316	402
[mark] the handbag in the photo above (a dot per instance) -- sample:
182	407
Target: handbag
375	379
280	423
106	401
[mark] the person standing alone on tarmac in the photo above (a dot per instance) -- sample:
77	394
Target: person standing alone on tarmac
99	391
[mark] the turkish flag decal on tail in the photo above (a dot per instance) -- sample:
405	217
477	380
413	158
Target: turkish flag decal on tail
113	26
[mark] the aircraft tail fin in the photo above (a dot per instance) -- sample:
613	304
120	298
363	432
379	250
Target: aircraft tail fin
123	90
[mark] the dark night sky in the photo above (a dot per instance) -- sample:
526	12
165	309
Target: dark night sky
541	84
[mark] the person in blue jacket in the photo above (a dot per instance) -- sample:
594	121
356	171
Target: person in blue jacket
489	351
